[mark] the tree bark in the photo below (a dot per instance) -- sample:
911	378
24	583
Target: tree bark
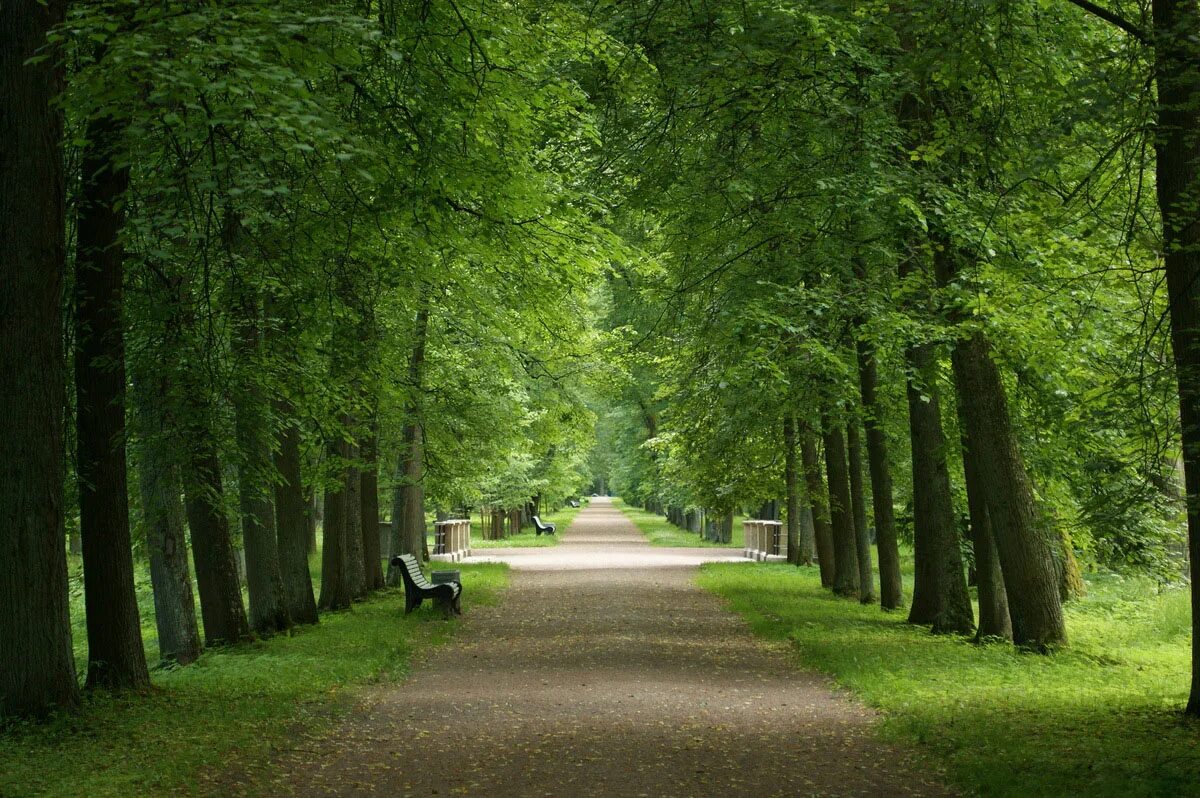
292	517
993	598
335	582
845	554
891	589
408	508
162	507
822	533
264	580
862	539
356	572
1023	541
221	607
791	479
372	559
37	668
116	655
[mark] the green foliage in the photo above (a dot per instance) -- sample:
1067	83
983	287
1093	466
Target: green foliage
1096	719
661	533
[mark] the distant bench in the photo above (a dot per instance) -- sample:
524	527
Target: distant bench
573	503
542	529
417	588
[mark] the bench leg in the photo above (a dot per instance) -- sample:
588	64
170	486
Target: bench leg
411	603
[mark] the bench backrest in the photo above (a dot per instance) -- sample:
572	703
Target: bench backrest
410	569
538	523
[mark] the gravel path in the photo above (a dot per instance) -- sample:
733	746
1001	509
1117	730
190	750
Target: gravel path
605	671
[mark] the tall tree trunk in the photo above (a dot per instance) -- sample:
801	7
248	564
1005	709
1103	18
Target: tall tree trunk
221	607
993	598
335	582
372	559
891	590
116	655
845	554
1023	541
862	538
292	519
268	601
37	668
408	507
940	594
822	533
1177	147
162	507
356	572
791	479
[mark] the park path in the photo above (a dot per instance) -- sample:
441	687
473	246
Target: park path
604	671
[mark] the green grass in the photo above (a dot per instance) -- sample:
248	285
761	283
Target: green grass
527	538
1099	718
232	708
661	533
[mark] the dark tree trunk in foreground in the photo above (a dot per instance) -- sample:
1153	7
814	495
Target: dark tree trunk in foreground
862	539
372	559
37	668
791	478
356	572
268	602
822	534
940	596
845	554
891	590
993	599
116	657
292	520
335	583
162	507
1023	541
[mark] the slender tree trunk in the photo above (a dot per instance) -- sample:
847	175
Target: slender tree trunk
1023	541
268	601
37	668
1177	147
822	533
940	594
335	582
845	555
116	656
408	513
162	507
372	559
221	607
891	590
292	519
993	599
356	572
791	479
862	538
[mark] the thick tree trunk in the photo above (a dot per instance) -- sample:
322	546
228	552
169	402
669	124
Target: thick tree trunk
372	559
845	554
891	590
1177	147
162	507
408	507
37	668
862	539
1023	541
940	596
221	607
116	656
292	520
264	580
822	533
993	599
335	582
356	572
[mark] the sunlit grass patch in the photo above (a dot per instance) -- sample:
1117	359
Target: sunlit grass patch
661	532
528	538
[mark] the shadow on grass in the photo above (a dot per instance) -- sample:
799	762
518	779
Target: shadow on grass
1099	718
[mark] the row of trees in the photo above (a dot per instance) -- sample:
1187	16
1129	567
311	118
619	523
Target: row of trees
924	242
342	252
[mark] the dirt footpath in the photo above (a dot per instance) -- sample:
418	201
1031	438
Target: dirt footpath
606	672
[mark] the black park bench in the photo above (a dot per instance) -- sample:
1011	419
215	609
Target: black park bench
573	503
542	529
417	588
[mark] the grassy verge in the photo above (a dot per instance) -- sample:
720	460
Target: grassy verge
528	538
1100	718
232	708
662	533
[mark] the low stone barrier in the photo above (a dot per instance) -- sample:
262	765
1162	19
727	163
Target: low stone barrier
765	540
451	540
